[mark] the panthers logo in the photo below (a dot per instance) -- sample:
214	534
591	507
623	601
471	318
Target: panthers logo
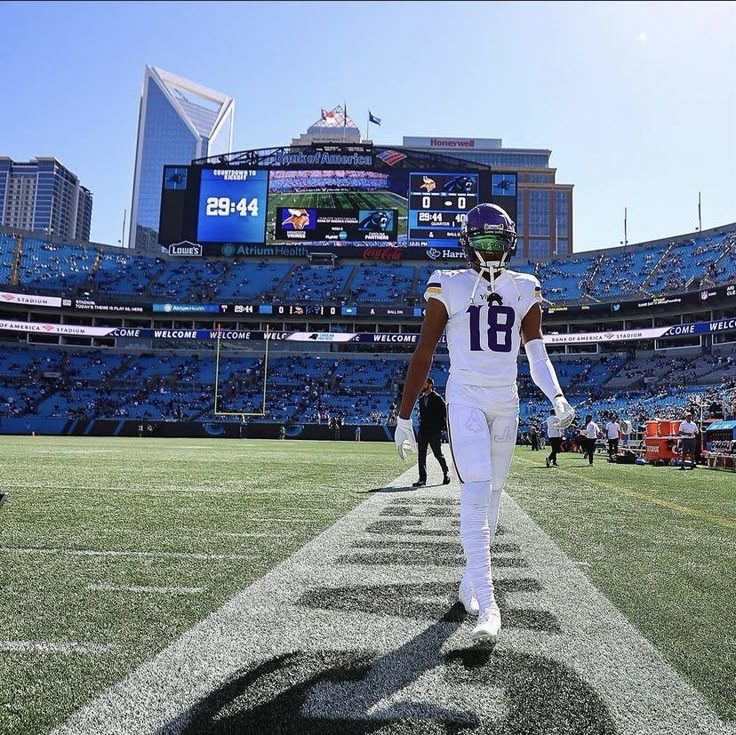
375	222
460	185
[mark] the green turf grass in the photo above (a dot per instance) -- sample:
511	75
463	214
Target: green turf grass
660	543
252	502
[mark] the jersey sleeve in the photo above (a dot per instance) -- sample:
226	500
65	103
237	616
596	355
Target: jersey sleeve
437	289
531	293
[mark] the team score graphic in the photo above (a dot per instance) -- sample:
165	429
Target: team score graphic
499	324
438	203
224	206
336	225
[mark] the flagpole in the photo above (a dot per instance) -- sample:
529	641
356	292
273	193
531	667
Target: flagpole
366	126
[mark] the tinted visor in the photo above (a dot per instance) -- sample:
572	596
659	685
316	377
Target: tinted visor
489	243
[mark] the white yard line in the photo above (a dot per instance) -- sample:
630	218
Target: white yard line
145	554
147	590
55	647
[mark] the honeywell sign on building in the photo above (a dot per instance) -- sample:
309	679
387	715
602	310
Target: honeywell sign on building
447	144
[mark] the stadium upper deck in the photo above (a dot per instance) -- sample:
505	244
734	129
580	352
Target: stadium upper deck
31	264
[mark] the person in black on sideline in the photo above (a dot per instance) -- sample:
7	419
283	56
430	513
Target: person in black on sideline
534	437
432	422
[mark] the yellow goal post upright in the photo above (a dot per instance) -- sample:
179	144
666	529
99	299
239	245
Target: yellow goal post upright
241	414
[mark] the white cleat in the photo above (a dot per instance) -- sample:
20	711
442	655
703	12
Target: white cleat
467	596
488	627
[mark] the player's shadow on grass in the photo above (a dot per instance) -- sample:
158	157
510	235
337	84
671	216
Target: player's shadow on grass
328	692
399	489
325	692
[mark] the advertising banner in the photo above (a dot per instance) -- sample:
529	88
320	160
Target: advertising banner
679	330
27	299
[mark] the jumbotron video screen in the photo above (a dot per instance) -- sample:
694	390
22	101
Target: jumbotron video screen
337	206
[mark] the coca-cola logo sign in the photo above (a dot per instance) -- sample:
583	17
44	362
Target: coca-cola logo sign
382	254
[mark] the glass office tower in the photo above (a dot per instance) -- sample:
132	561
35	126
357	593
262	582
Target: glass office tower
43	195
179	120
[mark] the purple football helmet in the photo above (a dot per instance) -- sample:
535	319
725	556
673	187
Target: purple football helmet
488	237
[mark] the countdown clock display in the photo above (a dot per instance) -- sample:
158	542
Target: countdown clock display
232	205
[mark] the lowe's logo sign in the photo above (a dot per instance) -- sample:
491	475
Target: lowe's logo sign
185	248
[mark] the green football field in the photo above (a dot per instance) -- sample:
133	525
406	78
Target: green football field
112	548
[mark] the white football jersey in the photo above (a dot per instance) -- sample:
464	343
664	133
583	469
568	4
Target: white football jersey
484	340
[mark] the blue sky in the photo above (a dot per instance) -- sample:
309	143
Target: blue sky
637	101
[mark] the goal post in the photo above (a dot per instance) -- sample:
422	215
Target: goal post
224	405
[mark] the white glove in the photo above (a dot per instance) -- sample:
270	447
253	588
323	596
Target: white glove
404	437
564	412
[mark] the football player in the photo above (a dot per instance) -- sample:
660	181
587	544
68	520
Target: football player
486	312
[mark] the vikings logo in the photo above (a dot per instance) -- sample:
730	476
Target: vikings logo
298	219
429	184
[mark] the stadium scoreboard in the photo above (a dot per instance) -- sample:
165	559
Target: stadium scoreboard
438	205
330	198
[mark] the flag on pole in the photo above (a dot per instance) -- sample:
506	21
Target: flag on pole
328	115
372	118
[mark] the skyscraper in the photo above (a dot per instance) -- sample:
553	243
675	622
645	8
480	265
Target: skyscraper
43	195
179	120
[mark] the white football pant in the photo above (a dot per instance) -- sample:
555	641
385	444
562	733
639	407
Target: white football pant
482	428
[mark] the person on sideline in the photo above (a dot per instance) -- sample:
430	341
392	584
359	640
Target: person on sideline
592	431
613	431
432	422
554	434
688	441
